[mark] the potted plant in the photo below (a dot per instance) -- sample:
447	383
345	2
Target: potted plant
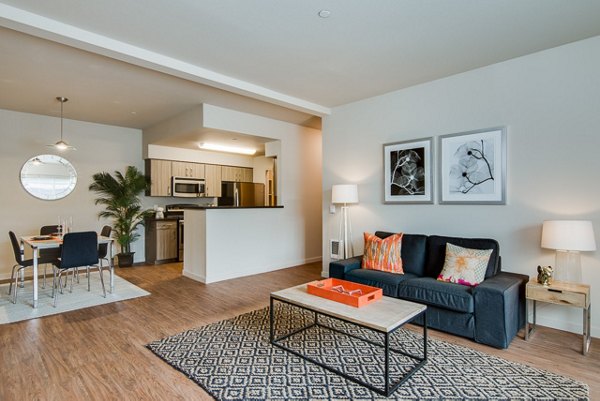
120	196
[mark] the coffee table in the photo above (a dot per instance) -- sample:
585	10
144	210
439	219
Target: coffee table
384	316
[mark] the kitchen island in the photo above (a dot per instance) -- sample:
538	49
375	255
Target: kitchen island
228	242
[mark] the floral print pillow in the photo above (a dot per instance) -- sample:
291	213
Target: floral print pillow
383	254
465	266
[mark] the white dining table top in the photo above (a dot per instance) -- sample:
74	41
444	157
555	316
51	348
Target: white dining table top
54	242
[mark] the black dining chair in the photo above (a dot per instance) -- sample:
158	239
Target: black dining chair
103	248
21	263
78	250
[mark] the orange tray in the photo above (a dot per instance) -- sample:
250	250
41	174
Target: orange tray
350	296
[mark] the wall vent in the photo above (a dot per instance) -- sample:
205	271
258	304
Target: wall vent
336	249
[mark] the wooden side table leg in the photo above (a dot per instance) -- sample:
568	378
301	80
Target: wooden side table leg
587	335
526	320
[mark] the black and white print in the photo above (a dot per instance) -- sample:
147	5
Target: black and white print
407	171
473	167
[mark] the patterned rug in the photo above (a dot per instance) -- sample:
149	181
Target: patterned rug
233	360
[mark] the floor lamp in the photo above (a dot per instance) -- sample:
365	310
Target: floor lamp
568	238
345	194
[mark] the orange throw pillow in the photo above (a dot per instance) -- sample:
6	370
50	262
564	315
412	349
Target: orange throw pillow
383	254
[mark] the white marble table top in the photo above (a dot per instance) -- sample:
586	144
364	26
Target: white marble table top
383	315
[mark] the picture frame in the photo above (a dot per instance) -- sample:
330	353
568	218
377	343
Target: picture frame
408	172
472	167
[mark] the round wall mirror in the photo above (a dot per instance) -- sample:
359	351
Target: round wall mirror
48	177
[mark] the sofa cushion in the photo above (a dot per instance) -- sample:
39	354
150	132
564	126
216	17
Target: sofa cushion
389	282
383	254
413	252
436	253
429	291
464	266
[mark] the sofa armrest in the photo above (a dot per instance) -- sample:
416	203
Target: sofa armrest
339	268
499	308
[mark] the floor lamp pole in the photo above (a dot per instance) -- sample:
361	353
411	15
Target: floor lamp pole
346	233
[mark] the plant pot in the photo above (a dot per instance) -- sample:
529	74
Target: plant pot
125	259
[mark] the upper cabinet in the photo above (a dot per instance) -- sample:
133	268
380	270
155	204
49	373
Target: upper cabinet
213	180
160	175
186	169
161	171
236	174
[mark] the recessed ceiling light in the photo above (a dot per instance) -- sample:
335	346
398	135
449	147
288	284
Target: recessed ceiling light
134	112
224	148
324	13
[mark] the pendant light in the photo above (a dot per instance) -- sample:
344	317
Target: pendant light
62	145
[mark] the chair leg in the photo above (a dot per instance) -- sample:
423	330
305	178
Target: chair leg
12	278
53	280
59	285
87	273
44	282
16	287
100	270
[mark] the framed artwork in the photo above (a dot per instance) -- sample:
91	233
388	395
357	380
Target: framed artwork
473	167
407	170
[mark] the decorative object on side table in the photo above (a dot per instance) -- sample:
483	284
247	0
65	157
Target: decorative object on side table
473	167
560	293
568	237
407	171
120	196
544	275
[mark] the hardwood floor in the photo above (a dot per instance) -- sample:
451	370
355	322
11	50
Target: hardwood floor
98	353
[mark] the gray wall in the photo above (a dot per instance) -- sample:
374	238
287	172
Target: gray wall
99	148
550	104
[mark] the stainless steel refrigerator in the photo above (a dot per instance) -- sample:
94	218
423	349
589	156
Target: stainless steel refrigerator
242	194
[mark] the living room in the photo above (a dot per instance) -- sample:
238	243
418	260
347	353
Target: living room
546	100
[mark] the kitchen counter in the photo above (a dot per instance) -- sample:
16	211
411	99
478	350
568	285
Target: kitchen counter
151	219
221	245
231	207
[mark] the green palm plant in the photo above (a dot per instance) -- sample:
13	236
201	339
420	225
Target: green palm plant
120	196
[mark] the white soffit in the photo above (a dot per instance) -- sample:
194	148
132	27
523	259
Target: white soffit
281	52
37	25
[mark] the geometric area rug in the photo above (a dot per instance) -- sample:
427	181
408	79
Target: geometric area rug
233	360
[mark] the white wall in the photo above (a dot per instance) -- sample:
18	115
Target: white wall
299	172
99	148
550	104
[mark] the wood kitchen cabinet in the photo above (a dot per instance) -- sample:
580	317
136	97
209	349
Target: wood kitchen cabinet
237	174
212	176
160	175
187	169
161	241
247	175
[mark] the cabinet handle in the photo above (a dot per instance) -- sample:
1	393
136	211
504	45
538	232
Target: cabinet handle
168	190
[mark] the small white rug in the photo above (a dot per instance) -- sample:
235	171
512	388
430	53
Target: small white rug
67	301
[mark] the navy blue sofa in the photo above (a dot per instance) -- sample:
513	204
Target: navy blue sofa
491	313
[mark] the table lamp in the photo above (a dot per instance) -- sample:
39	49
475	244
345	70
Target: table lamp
568	238
345	194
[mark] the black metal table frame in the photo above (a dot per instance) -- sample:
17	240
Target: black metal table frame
389	387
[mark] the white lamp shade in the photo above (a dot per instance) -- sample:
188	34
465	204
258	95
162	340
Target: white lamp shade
568	235
346	193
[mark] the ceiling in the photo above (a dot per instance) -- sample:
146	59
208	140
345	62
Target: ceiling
134	63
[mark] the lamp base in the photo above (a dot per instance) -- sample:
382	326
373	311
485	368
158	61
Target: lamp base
568	266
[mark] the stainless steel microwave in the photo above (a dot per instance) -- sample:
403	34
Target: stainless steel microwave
185	187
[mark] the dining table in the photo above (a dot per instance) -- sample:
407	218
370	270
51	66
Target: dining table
37	242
